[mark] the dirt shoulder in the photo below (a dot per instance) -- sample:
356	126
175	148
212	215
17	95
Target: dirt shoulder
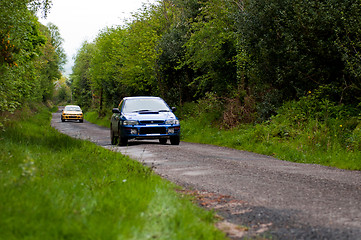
255	195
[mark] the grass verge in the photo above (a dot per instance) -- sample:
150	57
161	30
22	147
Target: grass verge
56	187
93	117
310	146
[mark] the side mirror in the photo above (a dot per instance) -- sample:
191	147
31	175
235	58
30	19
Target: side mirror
174	109
116	110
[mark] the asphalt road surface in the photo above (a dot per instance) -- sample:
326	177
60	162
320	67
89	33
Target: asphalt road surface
256	196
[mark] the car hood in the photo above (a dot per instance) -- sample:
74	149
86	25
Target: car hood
149	116
72	112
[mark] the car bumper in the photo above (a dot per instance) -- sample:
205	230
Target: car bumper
150	132
72	117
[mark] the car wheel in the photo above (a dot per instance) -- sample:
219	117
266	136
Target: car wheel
163	140
174	140
121	140
113	139
62	119
81	120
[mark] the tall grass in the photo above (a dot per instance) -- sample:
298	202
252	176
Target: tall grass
93	117
260	139
56	187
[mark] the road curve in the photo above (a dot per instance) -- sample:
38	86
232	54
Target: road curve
268	197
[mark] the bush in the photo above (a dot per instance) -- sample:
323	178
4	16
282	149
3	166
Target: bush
222	112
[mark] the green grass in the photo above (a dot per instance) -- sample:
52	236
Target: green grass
93	117
56	187
316	144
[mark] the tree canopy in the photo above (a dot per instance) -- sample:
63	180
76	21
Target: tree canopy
31	54
270	51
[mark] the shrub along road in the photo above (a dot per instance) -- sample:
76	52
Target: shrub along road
266	196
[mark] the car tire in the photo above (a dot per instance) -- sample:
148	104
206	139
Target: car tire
113	139
121	140
62	119
174	140
81	120
163	141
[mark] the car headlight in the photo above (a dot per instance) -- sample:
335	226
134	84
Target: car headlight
130	122
172	122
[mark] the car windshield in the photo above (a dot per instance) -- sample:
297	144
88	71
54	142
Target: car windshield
72	108
145	105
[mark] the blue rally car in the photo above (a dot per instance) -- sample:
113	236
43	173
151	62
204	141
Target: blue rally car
144	118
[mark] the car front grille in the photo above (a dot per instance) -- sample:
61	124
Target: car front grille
151	122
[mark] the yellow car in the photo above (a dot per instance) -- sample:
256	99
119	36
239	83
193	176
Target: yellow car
72	112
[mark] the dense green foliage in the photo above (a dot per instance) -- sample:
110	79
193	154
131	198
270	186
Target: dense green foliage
55	187
254	54
31	55
297	46
62	92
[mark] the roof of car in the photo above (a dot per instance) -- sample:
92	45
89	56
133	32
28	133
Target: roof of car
138	97
71	106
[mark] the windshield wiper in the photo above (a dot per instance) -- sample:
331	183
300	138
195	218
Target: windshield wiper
163	111
145	110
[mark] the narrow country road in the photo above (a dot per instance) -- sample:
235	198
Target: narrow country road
269	198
